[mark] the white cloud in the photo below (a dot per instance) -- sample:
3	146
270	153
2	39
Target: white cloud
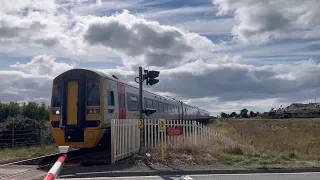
262	20
31	81
208	27
43	65
144	42
20	5
159	14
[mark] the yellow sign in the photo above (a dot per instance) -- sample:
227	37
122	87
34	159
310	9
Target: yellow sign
162	124
140	124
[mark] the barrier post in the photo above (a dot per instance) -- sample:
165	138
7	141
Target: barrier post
56	168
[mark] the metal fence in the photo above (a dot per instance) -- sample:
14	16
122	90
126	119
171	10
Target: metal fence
125	138
14	138
125	135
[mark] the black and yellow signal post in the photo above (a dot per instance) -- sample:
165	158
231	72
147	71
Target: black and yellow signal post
162	126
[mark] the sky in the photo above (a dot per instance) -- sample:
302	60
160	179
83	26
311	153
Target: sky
219	55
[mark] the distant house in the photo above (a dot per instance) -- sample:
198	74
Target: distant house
298	110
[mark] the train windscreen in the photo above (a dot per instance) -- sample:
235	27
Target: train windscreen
56	96
93	92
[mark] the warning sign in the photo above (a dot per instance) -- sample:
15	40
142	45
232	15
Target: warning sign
174	131
140	124
162	124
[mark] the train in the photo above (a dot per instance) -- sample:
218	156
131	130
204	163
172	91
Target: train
84	101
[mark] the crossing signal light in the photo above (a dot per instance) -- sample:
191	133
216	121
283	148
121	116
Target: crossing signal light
150	77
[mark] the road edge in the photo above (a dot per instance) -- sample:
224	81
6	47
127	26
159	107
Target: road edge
187	172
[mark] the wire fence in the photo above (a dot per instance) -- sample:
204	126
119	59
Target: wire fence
14	138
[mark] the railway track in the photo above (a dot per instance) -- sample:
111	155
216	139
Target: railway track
37	168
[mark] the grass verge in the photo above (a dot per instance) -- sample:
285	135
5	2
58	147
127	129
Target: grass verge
255	144
29	152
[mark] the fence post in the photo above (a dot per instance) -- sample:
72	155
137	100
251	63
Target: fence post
13	137
194	123
113	141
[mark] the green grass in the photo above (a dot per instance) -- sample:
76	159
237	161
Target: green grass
28	152
265	161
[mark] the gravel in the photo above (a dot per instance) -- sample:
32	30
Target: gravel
138	165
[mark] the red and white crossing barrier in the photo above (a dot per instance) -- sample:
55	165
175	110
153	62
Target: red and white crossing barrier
56	168
54	171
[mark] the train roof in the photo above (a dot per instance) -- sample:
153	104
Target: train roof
104	75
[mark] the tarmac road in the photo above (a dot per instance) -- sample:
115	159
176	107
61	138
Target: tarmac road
264	176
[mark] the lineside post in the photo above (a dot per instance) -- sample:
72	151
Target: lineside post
56	168
141	150
149	76
162	126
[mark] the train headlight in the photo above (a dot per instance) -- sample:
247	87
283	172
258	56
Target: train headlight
55	112
93	111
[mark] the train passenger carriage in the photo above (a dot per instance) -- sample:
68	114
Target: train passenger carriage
84	102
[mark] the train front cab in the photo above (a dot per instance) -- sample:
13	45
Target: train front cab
77	109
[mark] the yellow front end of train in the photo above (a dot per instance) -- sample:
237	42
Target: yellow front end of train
77	115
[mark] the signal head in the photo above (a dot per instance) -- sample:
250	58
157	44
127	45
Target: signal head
153	74
152	81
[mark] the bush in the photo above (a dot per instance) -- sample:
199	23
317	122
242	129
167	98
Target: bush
234	150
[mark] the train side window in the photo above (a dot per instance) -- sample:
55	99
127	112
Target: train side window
93	92
111	98
156	105
149	103
56	99
133	102
161	107
165	108
145	103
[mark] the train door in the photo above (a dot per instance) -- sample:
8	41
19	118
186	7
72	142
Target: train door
72	103
122	101
74	110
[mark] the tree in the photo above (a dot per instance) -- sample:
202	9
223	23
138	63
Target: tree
3	112
244	113
43	112
233	114
224	115
252	114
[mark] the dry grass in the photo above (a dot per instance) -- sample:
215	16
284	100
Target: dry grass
203	153
259	144
27	152
294	137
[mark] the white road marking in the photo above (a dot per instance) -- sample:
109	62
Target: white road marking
186	178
